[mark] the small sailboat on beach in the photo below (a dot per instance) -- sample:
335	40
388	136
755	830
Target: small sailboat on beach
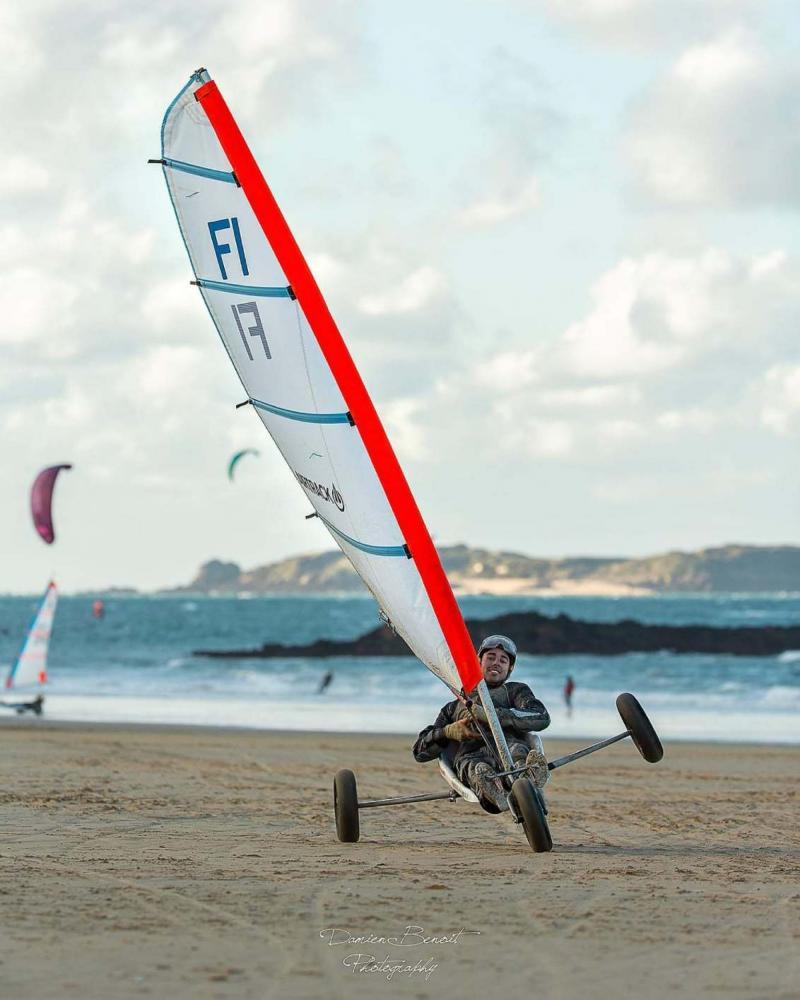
24	686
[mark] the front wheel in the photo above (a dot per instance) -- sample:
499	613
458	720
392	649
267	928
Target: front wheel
533	818
640	727
345	806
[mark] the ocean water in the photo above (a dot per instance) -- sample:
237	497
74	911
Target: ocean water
136	665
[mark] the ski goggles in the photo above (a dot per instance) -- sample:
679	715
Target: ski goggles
493	641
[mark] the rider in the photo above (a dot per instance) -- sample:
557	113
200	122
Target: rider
519	712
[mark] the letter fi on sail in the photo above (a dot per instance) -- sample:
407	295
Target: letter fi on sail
299	376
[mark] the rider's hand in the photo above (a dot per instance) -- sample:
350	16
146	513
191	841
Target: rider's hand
460	731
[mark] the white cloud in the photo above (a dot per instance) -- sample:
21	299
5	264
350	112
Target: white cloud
589	397
768	264
166	370
278	51
691	419
404	421
674	350
521	129
74	409
328	270
509	370
779	390
724	62
646	24
22	175
720	128
648	315
541	438
170	309
619	432
21	57
503	205
36	306
412	293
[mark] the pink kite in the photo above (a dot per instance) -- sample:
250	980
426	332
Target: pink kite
42	499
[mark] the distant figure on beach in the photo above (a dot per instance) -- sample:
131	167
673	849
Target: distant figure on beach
569	687
519	711
98	609
34	706
325	682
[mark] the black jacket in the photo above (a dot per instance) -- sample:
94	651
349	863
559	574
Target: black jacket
518	709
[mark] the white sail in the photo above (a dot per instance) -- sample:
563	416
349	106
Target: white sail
29	671
299	376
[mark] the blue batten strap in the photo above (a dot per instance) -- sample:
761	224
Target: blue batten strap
306	418
226	176
373	550
258	291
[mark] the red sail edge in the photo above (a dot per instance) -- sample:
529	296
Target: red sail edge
335	351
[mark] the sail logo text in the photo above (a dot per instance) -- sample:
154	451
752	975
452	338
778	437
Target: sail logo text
220	249
329	494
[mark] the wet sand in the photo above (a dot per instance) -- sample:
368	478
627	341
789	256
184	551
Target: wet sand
193	863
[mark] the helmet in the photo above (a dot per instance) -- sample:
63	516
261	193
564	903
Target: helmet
493	641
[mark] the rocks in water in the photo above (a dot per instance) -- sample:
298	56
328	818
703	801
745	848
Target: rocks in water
541	635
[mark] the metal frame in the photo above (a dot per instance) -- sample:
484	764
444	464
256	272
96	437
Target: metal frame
502	748
452	795
494	725
568	758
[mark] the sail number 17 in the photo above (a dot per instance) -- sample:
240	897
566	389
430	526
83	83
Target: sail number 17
256	329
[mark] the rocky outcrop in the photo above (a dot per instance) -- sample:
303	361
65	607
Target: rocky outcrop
541	635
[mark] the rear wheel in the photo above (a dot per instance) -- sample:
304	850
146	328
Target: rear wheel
641	729
345	806
533	818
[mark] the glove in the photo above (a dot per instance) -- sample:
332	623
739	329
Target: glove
460	731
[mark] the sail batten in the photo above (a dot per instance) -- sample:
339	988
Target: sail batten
293	363
308	418
375	550
232	289
226	176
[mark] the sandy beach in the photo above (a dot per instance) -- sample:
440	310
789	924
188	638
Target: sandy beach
169	862
522	587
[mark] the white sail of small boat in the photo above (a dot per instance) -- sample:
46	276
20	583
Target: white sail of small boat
25	683
299	376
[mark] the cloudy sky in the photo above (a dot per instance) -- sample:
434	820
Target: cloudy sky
560	237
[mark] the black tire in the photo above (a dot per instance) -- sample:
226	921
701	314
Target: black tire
345	806
641	729
530	809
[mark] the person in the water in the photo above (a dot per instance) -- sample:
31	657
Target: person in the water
569	688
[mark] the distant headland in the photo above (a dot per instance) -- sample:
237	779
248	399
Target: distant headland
726	569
